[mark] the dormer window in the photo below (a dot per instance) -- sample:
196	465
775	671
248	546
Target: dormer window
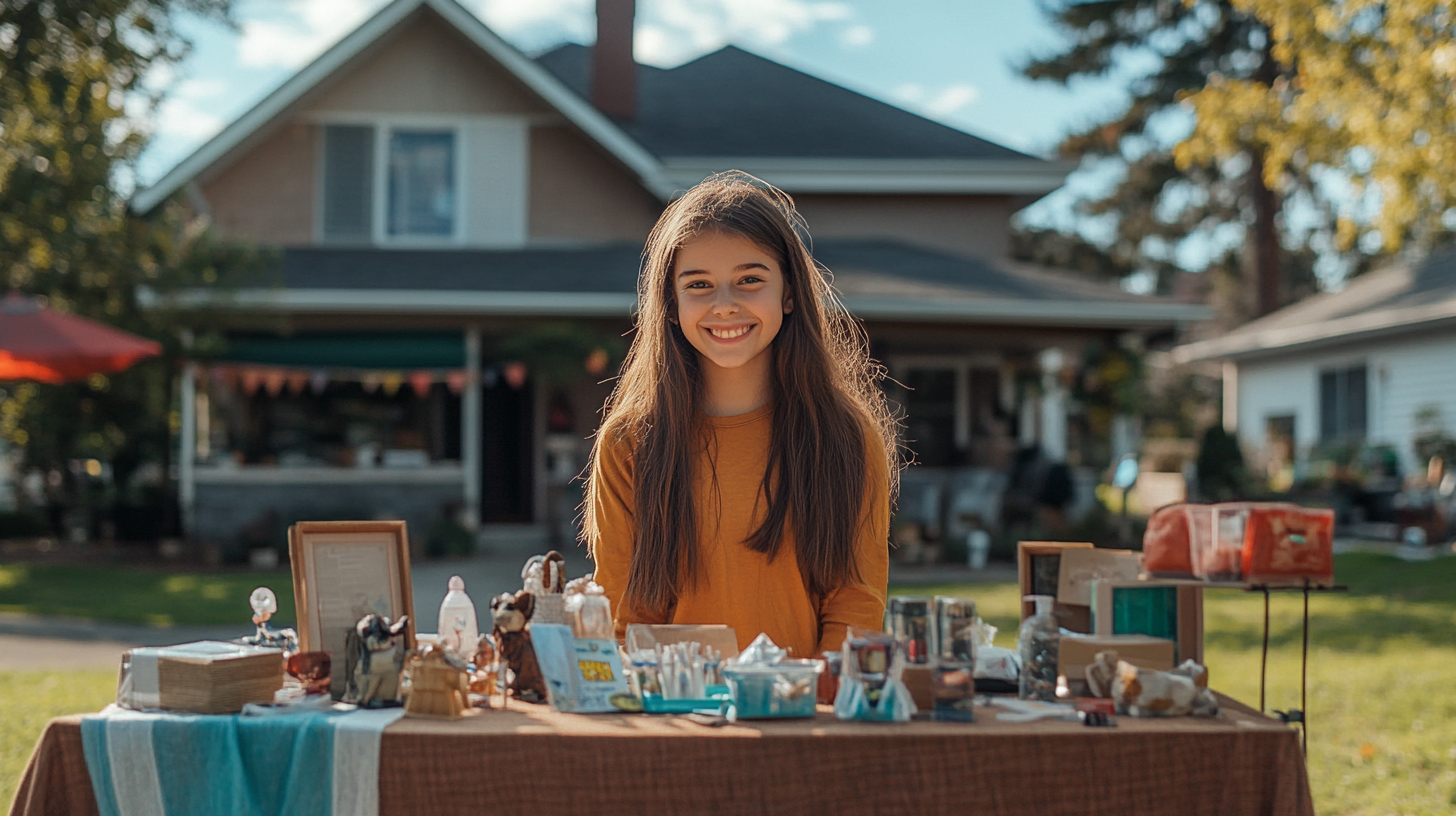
389	184
421	183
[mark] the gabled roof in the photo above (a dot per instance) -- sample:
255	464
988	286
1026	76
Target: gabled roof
733	108
694	120
542	82
1399	299
878	280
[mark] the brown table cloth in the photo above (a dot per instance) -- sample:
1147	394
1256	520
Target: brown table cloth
531	761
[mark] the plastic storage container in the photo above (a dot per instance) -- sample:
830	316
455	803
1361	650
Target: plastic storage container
785	689
1040	641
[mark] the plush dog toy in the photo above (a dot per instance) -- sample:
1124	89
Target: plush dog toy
510	614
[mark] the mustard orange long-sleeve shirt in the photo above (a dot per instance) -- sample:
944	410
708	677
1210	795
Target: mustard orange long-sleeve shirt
737	586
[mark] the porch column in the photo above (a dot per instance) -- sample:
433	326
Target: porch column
1231	396
1053	405
470	431
187	455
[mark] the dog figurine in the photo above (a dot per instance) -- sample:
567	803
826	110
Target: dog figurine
509	615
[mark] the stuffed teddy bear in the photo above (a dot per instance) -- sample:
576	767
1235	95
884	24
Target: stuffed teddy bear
509	614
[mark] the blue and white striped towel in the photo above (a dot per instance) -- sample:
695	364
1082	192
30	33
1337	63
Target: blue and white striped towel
316	764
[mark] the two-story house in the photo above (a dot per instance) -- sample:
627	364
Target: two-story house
442	201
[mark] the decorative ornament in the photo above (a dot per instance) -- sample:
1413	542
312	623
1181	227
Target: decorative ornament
596	362
515	374
455	380
421	381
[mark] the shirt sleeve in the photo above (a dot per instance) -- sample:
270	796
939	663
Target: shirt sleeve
861	603
613	510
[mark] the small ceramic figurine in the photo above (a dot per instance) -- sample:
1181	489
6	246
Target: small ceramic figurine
483	679
510	614
265	605
373	659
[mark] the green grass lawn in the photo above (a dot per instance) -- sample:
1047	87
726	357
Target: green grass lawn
1382	665
156	597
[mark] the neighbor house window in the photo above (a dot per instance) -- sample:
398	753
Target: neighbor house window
421	183
1342	404
348	200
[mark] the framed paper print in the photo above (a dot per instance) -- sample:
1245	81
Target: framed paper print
344	570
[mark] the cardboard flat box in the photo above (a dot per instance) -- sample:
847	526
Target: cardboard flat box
1080	567
206	677
1078	651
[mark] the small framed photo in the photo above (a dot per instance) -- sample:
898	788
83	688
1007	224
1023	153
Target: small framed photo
344	570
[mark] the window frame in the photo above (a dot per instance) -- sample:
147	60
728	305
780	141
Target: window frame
1342	420
384	128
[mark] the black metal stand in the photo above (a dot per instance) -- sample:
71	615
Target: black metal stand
1300	716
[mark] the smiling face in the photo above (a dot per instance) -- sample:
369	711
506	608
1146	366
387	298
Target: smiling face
731	298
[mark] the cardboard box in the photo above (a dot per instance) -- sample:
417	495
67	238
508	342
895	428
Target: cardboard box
1080	567
1078	651
1185	608
919	680
206	677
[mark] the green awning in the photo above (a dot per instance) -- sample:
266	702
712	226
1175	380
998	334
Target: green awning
378	350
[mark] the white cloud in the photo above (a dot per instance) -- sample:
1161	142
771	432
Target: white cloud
178	117
673	31
199	88
668	31
294	38
857	36
937	103
910	93
574	19
951	99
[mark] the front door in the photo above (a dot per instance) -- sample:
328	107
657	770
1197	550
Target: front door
505	453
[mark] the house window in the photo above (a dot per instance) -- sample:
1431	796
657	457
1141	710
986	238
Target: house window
421	183
348	200
1342	404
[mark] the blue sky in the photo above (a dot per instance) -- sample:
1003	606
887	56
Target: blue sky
952	60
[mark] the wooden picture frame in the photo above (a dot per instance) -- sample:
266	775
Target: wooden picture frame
344	570
1075	618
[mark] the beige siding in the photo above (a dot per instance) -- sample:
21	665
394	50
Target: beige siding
579	193
969	225
425	67
267	195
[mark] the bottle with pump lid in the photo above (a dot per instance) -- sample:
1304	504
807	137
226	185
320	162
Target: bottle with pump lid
1040	640
459	632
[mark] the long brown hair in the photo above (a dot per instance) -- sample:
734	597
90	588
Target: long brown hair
829	414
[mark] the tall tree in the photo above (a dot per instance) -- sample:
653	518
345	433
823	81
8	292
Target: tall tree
1159	208
72	68
1366	91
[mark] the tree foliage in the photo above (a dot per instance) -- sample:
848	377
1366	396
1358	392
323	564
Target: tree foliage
1158	206
76	93
1366	90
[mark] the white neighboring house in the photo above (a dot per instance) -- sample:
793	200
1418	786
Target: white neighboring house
1358	364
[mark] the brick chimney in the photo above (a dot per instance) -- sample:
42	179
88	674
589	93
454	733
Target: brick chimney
614	73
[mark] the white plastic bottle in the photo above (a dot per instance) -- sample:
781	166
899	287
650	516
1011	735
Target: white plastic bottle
458	630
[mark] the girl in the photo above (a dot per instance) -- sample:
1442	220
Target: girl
743	470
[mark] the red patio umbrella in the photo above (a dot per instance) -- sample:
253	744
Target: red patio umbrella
42	344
